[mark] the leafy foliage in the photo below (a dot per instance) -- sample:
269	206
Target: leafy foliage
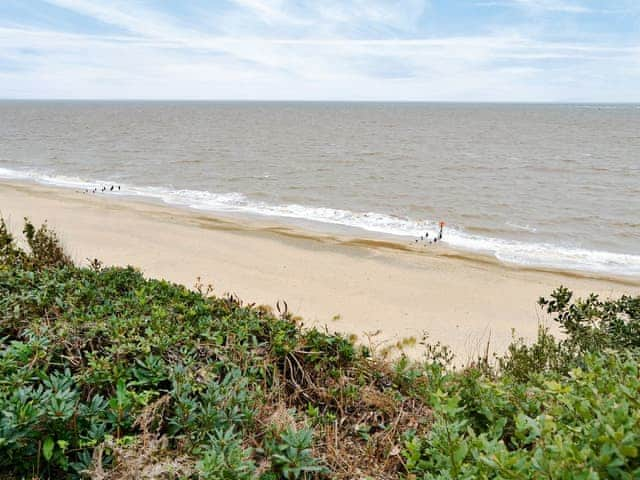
564	408
584	425
589	325
106	374
98	364
46	250
291	454
594	325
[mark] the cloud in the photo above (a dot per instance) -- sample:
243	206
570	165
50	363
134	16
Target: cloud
275	49
271	12
542	5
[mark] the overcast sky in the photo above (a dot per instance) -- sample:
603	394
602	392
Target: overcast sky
427	50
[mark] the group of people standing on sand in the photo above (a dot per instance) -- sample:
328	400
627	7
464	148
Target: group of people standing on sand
104	189
435	239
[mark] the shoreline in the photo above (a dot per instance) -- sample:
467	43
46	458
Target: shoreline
460	299
287	227
328	222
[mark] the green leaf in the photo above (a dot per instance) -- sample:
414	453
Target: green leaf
47	448
629	451
460	453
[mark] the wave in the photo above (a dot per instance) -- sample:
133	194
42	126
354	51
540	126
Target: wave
523	228
509	251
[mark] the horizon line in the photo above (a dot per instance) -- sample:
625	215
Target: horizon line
258	100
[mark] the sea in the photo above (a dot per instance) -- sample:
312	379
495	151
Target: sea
540	185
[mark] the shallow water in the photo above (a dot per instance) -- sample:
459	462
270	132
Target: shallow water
545	185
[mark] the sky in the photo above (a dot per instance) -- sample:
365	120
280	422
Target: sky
403	50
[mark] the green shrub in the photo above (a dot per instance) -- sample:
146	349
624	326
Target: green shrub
46	250
555	409
584	425
592	324
225	459
291	455
588	325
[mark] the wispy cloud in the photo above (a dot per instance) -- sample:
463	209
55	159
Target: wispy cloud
541	5
270	12
274	49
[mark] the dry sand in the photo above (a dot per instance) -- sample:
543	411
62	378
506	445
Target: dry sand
347	285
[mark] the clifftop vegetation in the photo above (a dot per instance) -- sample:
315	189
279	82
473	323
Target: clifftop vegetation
107	374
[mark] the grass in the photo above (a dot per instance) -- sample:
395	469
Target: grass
107	374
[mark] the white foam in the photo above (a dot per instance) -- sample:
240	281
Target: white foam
510	251
524	228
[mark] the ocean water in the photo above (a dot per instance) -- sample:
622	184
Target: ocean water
541	185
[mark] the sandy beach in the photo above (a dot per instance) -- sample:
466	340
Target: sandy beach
348	285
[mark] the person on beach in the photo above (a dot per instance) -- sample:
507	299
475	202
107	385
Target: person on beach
441	227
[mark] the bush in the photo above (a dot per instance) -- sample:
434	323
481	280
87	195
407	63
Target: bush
555	409
593	325
589	325
46	251
226	459
291	454
583	425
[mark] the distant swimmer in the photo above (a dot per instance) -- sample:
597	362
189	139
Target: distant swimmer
111	189
118	187
441	227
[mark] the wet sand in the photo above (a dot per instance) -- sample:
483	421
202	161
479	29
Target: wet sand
356	286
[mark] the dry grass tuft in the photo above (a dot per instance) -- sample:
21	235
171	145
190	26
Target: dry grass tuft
147	459
369	417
